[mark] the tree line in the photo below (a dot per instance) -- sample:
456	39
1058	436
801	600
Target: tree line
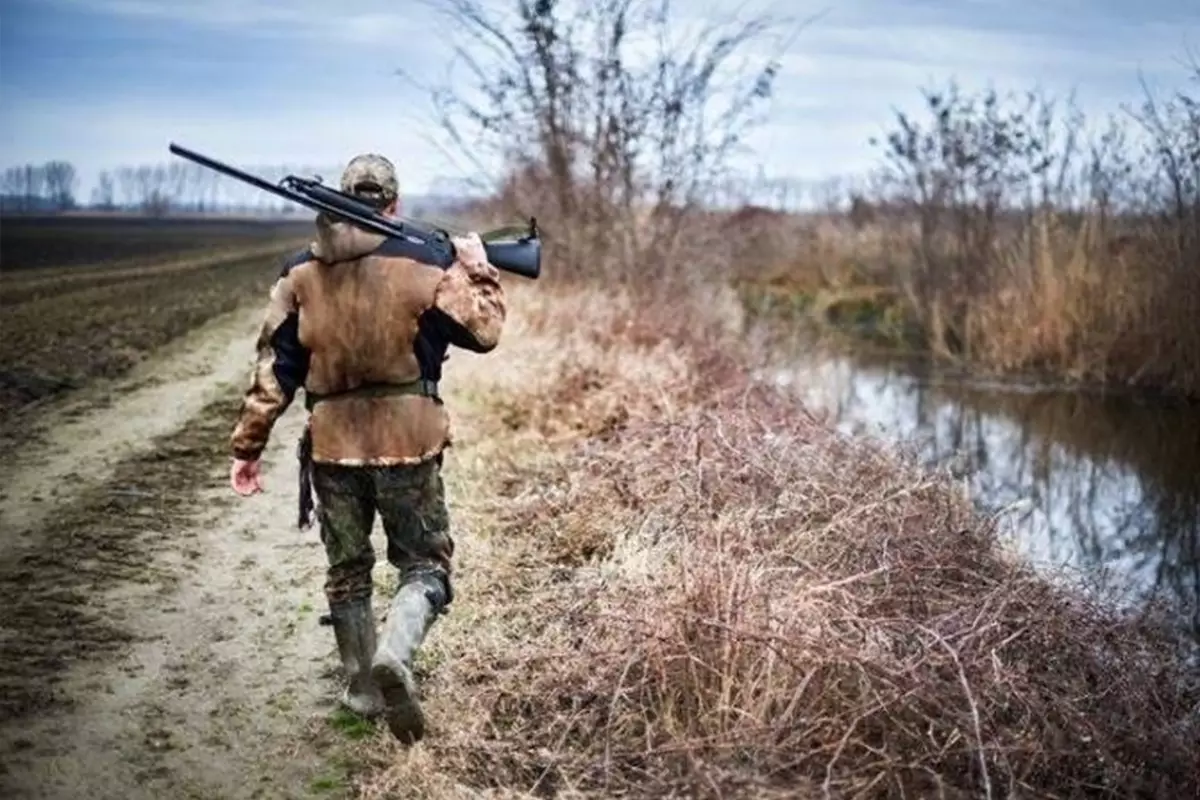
154	189
158	189
39	186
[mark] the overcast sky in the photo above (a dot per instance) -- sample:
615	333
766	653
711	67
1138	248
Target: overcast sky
109	82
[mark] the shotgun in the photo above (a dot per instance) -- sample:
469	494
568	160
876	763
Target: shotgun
509	249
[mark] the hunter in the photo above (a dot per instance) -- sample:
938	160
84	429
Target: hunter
363	323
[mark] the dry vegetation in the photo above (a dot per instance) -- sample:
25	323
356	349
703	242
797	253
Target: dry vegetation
1006	232
684	585
1013	235
677	582
693	589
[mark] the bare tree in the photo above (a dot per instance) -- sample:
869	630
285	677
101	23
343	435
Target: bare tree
25	186
61	180
13	182
1173	127
176	184
965	168
104	193
127	180
35	185
1019	237
616	125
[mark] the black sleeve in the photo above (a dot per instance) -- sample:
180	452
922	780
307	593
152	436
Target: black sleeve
291	357
447	329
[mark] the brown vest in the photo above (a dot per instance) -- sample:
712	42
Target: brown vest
358	317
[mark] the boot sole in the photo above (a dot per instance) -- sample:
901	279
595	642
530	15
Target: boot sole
403	713
368	709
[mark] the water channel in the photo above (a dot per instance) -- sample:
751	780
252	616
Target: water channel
1107	486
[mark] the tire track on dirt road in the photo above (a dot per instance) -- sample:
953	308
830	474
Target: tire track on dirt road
160	640
161	636
84	435
198	668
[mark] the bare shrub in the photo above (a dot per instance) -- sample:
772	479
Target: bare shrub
615	124
1019	237
720	596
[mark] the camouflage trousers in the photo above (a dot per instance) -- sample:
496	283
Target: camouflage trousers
411	504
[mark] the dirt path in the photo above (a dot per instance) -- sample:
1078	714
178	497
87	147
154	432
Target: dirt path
161	640
161	636
84	435
227	668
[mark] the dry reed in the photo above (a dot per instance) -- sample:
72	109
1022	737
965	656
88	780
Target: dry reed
707	592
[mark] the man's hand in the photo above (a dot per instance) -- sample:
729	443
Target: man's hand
470	253
245	477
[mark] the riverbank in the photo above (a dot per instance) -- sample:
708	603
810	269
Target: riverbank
1081	300
1103	485
672	580
1009	234
1097	355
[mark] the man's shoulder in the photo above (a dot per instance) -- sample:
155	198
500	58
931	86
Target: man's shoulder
428	253
295	260
411	248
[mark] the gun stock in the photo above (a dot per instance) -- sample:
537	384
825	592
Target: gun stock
519	253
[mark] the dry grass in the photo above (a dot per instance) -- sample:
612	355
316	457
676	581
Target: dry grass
1004	234
678	584
675	583
1075	302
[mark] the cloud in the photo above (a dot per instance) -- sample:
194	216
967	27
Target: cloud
849	74
370	22
309	81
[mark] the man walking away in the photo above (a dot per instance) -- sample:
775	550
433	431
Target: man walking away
363	324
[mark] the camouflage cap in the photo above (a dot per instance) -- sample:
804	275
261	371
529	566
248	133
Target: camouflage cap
371	177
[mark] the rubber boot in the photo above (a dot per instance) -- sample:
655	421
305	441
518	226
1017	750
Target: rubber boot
414	608
354	628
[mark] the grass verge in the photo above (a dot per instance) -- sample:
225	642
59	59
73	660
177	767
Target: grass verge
675	583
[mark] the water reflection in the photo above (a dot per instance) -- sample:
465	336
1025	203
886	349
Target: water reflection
1108	486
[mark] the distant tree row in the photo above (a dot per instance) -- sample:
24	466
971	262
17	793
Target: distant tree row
153	189
39	186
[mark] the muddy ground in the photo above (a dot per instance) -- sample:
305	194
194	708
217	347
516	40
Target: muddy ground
66	328
159	638
162	635
105	240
